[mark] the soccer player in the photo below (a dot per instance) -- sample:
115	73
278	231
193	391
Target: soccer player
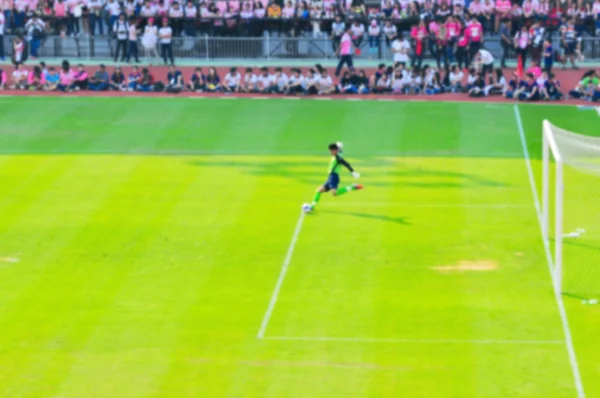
333	180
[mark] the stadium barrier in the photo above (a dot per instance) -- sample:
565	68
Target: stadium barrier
268	47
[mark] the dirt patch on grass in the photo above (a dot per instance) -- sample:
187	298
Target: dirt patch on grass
468	266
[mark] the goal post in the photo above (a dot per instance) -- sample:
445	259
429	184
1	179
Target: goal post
571	209
550	147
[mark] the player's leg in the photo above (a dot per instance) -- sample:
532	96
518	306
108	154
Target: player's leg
317	197
343	190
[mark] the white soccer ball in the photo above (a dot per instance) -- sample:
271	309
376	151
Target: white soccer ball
306	208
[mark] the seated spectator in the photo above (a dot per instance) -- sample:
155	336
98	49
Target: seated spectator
477	86
531	91
358	33
279	81
455	80
213	82
535	69
514	84
432	82
471	78
398	81
36	80
145	82
117	80
250	84
80	78
413	83
133	79
362	82
52	79
585	88
3	79
295	84
99	81
197	81
498	84
232	81
264	80
553	88
345	85
174	80
326	85
312	82
19	78
65	77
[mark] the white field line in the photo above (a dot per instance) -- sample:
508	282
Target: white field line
415	341
286	263
433	205
559	301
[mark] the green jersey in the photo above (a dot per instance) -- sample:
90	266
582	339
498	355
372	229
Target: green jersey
336	163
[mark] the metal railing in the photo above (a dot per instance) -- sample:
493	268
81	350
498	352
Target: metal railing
209	48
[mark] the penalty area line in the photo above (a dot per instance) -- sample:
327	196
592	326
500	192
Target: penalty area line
415	341
286	263
559	301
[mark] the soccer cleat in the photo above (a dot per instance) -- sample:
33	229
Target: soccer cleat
357	187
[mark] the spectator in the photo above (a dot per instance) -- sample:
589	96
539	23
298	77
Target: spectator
121	29
553	88
503	9
325	84
149	40
52	79
522	41
279	82
113	8
148	10
295	84
498	84
80	79
95	16
345	52
132	34
213	82
99	81
419	35
232	81
337	31
197	82
174	80
117	80
374	34
191	14
531	90
165	35
475	36
401	50
145	82
264	80
505	40
548	56
134	79
477	86
568	37
36	79
65	77
390	32
358	33
2	27
462	56
455	79
176	16
250	84
35	33
19	78
485	61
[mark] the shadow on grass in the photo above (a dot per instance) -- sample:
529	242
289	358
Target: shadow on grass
417	177
369	216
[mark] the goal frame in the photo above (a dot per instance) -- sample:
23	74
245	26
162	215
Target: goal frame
550	151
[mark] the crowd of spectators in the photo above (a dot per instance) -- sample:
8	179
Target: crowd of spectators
290	17
534	84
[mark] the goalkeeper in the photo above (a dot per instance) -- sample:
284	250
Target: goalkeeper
333	180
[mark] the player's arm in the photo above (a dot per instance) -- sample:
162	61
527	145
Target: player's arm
347	165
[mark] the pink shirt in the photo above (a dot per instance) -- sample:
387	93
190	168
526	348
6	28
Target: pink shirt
463	41
221	5
21	5
60	10
503	6
434	28
66	78
596	8
346	44
474	31
3	78
234	5
542	8
475	8
527	7
30	79
452	29
536	71
80	76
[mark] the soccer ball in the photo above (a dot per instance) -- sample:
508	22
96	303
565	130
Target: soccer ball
307	208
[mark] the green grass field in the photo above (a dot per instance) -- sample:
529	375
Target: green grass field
150	235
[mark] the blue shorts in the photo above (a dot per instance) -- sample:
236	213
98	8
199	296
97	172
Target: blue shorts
332	182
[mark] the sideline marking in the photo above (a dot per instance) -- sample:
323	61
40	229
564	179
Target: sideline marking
559	301
411	341
282	273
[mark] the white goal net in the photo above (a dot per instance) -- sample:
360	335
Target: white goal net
571	210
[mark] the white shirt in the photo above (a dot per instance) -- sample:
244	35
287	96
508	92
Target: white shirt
173	13
191	12
486	57
326	82
358	31
233	80
250	80
149	11
265	81
401	49
456	77
1	23
20	74
132	33
374	30
281	81
390	31
114	9
121	27
165	31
